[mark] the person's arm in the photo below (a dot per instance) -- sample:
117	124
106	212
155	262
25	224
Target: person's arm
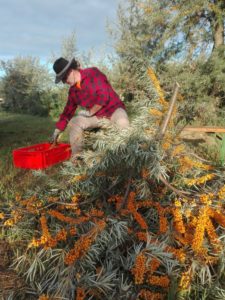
90	112
95	109
67	113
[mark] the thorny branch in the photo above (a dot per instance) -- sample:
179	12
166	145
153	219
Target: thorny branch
184	194
123	204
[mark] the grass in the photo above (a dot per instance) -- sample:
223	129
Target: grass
19	131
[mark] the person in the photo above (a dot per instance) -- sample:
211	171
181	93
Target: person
91	91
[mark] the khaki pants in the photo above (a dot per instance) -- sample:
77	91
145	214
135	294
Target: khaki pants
78	124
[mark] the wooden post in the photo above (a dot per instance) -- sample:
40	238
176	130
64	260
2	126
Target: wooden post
165	123
222	150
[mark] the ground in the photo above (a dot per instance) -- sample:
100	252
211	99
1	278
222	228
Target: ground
19	131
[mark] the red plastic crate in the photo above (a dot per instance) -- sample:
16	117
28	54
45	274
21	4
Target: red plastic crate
40	156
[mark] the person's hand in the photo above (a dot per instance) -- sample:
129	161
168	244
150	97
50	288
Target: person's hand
84	113
55	136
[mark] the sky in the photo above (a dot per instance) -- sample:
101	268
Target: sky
38	27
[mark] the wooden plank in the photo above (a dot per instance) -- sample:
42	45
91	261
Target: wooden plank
204	129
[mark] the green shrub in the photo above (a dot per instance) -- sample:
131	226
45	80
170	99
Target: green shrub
24	84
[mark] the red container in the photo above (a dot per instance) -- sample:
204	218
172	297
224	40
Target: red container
40	156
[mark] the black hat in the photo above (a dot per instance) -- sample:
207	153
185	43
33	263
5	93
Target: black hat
61	67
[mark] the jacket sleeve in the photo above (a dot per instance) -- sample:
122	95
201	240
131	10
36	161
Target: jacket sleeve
68	112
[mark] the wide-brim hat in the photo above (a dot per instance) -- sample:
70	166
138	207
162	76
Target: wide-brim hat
61	66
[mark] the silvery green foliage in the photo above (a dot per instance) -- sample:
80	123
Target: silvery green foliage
46	271
218	293
160	30
184	40
112	157
25	85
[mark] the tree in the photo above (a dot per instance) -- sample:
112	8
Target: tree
183	41
23	85
171	29
69	50
140	218
69	47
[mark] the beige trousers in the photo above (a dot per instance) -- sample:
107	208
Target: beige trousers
78	124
